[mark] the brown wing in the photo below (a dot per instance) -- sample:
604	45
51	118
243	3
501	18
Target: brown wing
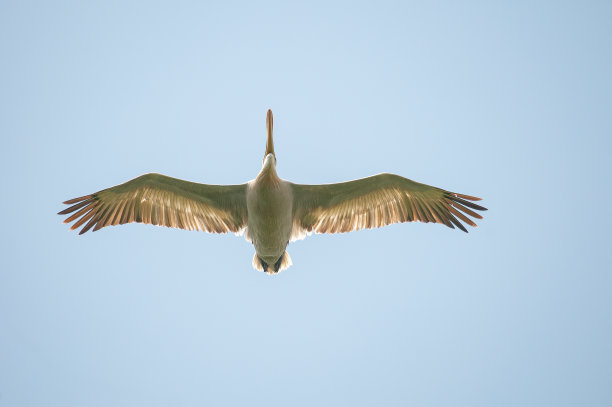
159	200
377	201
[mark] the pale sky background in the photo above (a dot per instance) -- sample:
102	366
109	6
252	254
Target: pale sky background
509	101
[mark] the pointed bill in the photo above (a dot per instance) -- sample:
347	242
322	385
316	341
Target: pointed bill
269	142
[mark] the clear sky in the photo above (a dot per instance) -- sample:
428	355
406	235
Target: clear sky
509	101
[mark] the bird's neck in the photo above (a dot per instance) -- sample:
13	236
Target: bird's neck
268	173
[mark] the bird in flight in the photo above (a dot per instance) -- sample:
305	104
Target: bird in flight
270	211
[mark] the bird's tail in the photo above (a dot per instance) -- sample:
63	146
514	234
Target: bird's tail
283	263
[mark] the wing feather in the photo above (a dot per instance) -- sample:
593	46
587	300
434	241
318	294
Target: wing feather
461	216
377	201
159	200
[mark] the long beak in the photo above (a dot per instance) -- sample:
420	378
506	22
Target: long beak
269	142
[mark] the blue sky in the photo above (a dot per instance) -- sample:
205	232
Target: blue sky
509	101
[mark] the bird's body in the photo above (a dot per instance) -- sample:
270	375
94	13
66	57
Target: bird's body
270	211
270	220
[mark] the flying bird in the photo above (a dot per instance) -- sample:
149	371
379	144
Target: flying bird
270	211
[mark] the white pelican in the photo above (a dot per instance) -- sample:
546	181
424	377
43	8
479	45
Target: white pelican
271	212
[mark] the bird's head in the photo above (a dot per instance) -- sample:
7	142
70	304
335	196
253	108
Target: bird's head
269	154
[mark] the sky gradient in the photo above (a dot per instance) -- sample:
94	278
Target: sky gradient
508	101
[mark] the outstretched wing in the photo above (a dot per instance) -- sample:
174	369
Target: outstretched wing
159	200
377	201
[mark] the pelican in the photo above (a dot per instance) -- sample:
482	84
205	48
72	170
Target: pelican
270	211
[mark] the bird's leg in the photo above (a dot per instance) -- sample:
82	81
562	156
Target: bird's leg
278	263
264	265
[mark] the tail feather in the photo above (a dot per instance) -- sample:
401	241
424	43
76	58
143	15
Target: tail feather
257	263
285	262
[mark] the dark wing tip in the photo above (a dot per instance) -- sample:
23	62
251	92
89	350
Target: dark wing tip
79	199
457	205
84	208
457	223
468	197
78	203
455	197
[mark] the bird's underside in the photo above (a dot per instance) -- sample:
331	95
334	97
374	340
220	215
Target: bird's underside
271	212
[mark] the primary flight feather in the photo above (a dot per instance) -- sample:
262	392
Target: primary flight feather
270	211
